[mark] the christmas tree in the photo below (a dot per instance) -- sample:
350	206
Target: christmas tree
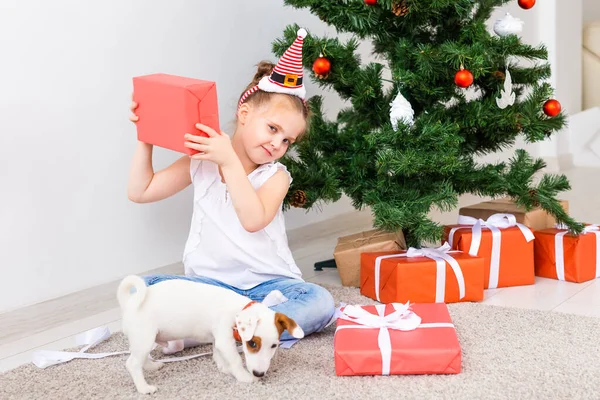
408	142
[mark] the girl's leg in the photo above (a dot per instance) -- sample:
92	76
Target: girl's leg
154	279
310	305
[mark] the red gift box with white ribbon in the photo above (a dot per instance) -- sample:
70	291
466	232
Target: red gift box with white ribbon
396	339
567	257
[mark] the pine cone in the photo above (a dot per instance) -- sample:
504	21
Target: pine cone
298	199
533	195
499	75
400	8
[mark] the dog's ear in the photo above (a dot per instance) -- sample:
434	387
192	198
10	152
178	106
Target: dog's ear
283	322
246	322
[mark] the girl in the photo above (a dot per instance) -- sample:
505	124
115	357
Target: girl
237	237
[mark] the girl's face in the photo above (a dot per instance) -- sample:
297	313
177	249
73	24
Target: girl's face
269	129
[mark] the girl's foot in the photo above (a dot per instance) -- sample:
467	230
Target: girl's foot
173	347
274	298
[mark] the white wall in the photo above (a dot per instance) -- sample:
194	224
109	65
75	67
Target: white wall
558	25
66	143
591	10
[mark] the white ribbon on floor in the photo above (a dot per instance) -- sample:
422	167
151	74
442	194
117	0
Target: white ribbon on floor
91	338
559	250
402	319
494	223
440	256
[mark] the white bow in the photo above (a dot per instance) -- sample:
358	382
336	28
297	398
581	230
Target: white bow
440	256
559	251
429	251
494	223
498	221
403	318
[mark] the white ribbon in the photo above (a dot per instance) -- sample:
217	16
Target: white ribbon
440	256
91	338
494	223
402	319
559	251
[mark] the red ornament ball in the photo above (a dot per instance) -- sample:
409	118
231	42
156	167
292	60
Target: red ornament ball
321	66
552	108
463	78
526	4
370	2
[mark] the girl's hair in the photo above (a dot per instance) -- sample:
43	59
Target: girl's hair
264	68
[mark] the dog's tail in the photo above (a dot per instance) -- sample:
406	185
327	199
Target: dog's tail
126	297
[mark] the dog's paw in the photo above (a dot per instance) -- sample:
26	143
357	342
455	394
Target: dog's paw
152	366
220	364
223	368
148	389
245	377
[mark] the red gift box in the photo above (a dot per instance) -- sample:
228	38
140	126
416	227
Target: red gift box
422	275
365	348
566	257
505	245
170	106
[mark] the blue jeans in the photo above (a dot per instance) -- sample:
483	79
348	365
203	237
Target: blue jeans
310	305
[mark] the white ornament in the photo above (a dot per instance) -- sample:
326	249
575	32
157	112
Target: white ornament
302	33
507	96
508	25
401	111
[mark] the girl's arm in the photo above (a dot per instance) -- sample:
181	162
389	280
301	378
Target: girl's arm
255	208
145	186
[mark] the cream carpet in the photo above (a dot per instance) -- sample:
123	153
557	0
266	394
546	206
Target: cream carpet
507	354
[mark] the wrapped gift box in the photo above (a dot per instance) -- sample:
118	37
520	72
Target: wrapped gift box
563	256
170	106
421	279
431	347
508	254
349	248
535	219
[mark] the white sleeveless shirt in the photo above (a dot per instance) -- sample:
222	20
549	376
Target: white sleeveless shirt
219	247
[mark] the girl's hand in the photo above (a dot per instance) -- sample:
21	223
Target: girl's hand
132	107
216	147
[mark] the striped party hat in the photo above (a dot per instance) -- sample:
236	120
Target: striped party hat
287	75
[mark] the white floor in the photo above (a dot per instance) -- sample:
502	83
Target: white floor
54	325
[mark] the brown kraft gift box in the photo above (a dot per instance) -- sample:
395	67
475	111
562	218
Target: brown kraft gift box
349	248
536	219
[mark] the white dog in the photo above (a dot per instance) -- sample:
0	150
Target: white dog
177	309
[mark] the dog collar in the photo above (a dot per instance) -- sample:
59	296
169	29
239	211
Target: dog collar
236	334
